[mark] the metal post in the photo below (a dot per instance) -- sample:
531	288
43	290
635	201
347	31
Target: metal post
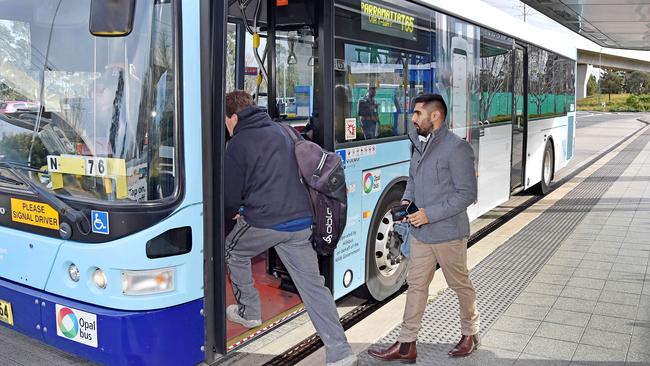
272	74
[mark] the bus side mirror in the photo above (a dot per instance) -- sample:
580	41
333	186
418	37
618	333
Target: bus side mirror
111	18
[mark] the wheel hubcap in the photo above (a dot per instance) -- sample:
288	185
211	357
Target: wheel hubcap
387	247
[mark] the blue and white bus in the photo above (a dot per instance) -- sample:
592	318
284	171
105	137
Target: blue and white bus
111	187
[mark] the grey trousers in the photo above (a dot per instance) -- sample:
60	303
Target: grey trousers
295	250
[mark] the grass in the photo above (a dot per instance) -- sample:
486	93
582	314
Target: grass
618	103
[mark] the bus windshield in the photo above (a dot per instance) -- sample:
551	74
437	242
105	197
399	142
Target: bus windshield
94	117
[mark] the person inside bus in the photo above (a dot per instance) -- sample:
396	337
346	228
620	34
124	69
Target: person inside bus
442	184
368	113
260	178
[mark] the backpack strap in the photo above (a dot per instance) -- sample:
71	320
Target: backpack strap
291	132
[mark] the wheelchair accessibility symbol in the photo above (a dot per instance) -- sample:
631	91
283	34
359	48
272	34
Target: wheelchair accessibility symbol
99	222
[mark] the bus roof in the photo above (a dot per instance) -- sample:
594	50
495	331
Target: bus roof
488	16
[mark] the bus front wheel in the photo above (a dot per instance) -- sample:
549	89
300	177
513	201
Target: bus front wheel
385	265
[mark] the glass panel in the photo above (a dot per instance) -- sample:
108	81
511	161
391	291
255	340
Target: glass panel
378	73
89	102
295	75
496	74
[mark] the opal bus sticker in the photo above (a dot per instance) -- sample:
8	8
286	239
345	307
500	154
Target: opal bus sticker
372	181
34	213
76	325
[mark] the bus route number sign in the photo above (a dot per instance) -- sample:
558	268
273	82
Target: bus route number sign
6	316
379	18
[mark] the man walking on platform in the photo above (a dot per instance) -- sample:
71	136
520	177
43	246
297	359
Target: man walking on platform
261	173
442	183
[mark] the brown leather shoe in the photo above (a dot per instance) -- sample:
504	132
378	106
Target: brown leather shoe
465	346
403	352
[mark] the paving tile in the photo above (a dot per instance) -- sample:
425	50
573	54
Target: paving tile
516	325
643	314
559	331
535	360
608	323
569	254
579	305
641	329
591	355
634	253
615	310
608	243
626	277
633	268
611	238
553	279
559	270
586	283
637	359
527	311
532	298
505	340
637	246
604	266
560	261
600	257
601	338
620	286
485	356
616	297
629	260
552	348
595	273
603	250
580	293
567	317
640	345
544	288
621	233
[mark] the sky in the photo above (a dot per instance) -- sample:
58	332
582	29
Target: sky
534	18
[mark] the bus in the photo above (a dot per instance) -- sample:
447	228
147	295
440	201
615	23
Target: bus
111	188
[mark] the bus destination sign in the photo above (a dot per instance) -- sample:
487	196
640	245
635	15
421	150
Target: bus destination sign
379	18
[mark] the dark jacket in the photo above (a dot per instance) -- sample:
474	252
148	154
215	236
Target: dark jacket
261	173
442	181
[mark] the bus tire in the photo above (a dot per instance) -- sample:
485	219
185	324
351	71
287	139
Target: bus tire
385	273
548	167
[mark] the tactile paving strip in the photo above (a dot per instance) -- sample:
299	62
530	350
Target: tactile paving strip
506	272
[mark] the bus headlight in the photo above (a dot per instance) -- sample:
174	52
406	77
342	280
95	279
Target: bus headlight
153	281
73	272
99	278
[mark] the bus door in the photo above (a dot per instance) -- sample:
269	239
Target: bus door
282	75
519	118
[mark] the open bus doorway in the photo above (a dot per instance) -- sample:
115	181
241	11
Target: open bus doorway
281	74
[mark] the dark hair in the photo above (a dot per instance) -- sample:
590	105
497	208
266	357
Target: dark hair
236	101
436	99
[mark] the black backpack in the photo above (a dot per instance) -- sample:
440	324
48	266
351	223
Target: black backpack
323	176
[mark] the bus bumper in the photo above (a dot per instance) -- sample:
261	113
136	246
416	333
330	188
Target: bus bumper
169	336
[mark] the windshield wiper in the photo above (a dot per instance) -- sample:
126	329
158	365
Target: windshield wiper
73	215
10	180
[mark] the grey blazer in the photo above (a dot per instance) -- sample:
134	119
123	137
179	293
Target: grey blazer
442	180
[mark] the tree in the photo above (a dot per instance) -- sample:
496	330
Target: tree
493	79
592	85
611	82
637	82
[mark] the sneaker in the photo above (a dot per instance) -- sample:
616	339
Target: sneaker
351	360
232	314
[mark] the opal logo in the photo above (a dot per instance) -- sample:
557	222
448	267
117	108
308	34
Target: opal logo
76	325
371	181
67	322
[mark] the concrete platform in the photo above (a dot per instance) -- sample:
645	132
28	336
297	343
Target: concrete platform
570	287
